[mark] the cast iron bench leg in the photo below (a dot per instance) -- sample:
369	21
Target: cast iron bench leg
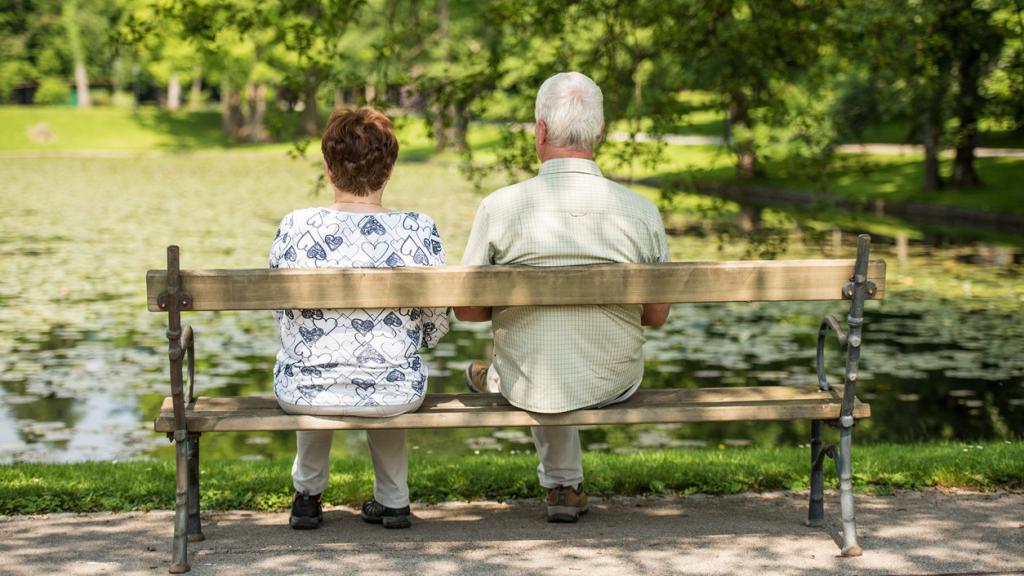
195	527
850	546
180	549
816	509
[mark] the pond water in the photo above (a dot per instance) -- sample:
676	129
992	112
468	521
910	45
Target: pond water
83	365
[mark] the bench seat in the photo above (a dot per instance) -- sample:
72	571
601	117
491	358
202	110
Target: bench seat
255	413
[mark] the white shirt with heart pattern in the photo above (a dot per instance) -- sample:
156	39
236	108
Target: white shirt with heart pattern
355	357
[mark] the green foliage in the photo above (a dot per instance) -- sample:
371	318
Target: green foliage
52	91
101	97
786	80
266	485
13	74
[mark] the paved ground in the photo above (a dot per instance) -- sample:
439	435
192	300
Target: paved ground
911	533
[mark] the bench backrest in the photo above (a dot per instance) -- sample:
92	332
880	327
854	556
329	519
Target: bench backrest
737	281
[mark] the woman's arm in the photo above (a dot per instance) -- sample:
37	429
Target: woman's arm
473	313
435	325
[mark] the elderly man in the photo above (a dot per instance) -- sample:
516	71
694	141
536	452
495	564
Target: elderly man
559	358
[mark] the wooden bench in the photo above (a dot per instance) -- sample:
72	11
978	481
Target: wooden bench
184	417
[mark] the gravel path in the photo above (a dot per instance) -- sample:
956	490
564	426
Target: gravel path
910	533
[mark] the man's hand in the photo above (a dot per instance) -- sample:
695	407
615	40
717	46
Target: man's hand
476	313
654	314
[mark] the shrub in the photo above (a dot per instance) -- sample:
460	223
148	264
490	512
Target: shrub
100	97
52	91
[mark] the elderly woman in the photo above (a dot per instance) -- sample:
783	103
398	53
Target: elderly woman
359	362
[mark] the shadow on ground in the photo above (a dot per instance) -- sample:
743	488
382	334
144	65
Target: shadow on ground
910	533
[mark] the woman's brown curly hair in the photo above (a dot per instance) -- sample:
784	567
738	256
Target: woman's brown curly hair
360	149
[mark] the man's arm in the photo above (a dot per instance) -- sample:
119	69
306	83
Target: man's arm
473	313
478	253
655	314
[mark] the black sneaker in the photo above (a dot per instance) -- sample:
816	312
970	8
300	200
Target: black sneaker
307	511
377	513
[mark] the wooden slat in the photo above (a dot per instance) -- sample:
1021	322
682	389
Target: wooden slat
472	401
739	281
489	410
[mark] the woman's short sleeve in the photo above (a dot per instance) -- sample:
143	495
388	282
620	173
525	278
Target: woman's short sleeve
435	320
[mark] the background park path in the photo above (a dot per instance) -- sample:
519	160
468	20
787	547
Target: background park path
909	533
880	149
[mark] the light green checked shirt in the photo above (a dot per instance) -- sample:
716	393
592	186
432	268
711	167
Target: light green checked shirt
561	358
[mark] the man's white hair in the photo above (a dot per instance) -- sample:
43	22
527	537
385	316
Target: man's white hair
572	107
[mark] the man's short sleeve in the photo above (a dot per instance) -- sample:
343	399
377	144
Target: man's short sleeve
661	241
478	248
658	241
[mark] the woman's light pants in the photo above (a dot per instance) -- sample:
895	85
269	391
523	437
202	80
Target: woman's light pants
311	468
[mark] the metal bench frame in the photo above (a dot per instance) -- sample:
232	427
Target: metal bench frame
167	294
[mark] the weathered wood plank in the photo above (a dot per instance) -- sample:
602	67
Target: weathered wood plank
738	281
458	411
468	401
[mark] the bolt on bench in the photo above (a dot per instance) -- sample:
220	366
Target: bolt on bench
184	417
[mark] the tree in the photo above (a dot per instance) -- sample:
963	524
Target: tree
445	54
300	37
55	39
977	41
16	67
933	58
744	50
1003	89
69	16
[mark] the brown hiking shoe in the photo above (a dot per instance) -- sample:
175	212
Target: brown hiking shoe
476	376
565	503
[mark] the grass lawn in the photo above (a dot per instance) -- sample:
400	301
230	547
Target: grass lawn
898	178
861	178
109	129
992	136
150	129
265	484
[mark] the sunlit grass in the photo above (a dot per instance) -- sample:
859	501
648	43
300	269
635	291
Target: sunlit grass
266	485
111	129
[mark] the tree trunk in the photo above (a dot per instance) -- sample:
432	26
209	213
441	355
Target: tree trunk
746	155
932	132
460	127
964	174
309	120
195	94
255	112
450	127
174	92
225	108
967	103
749	218
230	109
440	114
438	128
82	86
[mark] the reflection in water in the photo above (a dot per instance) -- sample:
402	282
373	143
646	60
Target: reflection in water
83	365
10	439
